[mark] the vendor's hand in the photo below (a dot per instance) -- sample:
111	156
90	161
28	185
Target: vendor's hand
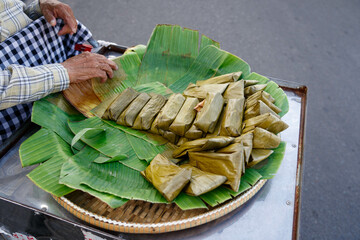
89	65
52	9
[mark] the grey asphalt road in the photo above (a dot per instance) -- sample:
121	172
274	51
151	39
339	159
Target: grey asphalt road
315	43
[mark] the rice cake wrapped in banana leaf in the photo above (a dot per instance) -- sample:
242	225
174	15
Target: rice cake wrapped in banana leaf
185	117
181	141
218	125
194	133
258	109
259	155
154	129
253	89
147	115
226	164
168	178
202	144
169	111
265	139
226	78
266	121
247	141
232	122
264	99
202	182
106	115
249	82
128	116
260	95
207	118
170	136
234	90
122	102
277	126
102	110
232	148
201	91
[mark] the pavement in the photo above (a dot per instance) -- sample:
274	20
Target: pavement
313	43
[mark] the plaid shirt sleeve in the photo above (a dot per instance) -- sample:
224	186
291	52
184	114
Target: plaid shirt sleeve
33	10
12	18
19	84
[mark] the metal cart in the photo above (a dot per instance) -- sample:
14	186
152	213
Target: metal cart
27	212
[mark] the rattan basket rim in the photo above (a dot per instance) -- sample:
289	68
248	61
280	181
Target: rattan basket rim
131	227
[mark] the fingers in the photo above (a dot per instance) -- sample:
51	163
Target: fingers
49	16
65	30
66	14
52	9
89	65
107	69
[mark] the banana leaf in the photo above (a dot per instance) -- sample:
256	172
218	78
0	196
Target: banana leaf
86	156
269	167
187	202
111	178
149	137
52	117
112	142
154	87
46	176
216	196
138	49
42	146
124	77
143	149
211	61
51	151
60	101
243	187
170	52
251	176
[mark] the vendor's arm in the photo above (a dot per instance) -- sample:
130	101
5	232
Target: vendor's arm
19	84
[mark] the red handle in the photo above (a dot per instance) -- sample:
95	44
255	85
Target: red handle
83	47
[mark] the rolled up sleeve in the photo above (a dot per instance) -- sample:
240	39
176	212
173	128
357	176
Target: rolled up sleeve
19	84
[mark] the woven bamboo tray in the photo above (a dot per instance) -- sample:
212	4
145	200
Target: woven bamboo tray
144	217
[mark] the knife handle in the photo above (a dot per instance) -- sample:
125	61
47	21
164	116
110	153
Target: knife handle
116	48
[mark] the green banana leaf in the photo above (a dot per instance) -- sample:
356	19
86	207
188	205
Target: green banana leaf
124	77
111	178
186	202
42	146
143	149
138	49
216	196
271	165
243	187
212	61
85	157
149	137
170	52
112	142
52	117
251	176
51	151
154	87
